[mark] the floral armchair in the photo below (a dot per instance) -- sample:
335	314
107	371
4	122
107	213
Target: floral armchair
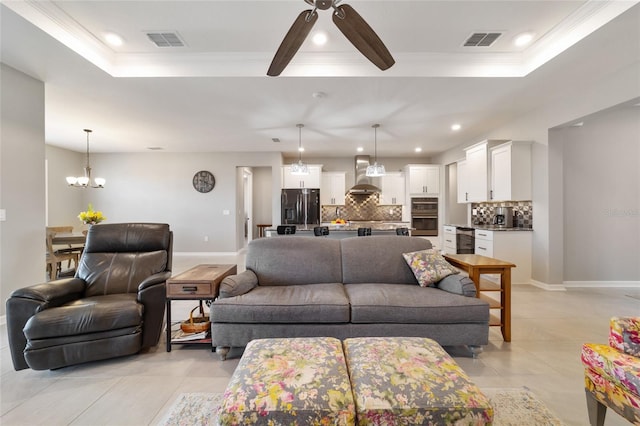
612	372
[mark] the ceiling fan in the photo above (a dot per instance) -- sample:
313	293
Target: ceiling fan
348	21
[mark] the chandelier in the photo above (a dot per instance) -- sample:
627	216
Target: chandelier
85	181
375	169
299	168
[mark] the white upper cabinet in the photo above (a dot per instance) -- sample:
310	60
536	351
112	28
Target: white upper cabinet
473	172
393	188
332	188
510	170
463	189
423	179
312	180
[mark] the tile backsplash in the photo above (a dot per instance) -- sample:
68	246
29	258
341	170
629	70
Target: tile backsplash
362	207
522	213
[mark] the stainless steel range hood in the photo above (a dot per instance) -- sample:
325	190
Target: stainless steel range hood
363	184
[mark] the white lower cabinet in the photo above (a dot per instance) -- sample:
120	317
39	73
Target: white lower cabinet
510	246
449	245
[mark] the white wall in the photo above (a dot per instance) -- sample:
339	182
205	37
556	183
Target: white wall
64	202
601	171
22	177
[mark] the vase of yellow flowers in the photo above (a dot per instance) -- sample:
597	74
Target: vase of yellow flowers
91	217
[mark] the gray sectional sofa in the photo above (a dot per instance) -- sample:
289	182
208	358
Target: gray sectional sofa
354	287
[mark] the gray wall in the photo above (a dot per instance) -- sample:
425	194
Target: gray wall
602	197
262	199
64	203
157	187
22	177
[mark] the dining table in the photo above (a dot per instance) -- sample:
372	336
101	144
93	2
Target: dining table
69	238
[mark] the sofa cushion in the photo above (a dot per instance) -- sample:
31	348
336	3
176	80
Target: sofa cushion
86	316
429	266
393	303
316	303
295	261
378	259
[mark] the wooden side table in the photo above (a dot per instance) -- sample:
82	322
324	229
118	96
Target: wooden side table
476	265
199	283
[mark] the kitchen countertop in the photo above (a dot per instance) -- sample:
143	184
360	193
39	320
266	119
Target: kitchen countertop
353	226
489	227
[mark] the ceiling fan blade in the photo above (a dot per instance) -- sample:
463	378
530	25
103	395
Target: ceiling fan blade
292	41
362	36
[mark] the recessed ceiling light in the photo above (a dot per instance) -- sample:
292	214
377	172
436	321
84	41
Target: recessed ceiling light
360	149
578	124
523	39
456	127
320	38
418	149
113	39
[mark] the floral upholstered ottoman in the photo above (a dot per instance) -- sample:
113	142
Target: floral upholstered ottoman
411	381
301	381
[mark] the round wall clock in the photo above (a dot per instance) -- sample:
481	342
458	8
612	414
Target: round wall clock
203	181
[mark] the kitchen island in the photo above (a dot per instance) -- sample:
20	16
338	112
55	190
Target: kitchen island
350	229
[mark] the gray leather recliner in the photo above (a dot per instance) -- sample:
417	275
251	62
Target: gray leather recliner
114	306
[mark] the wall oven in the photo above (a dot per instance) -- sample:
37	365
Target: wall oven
424	216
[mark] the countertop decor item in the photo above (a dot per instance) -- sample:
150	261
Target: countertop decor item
204	181
85	181
91	217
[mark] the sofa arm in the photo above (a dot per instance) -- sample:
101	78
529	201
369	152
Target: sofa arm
28	301
624	335
235	285
458	284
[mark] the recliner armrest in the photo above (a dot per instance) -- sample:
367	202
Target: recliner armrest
52	293
235	285
154	279
458	284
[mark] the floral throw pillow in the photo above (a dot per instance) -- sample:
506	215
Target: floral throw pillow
428	266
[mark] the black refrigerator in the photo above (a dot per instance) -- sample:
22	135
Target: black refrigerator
300	206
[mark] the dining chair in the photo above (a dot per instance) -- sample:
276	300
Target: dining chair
69	248
54	258
321	231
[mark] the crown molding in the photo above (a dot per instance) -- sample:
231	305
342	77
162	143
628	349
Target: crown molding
46	15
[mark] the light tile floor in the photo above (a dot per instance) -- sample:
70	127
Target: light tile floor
544	355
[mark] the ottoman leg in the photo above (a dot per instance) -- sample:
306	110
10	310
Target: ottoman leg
597	411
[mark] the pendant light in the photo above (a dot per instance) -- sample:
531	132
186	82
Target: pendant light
375	169
299	168
85	181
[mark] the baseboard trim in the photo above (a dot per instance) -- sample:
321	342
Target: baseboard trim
549	287
205	253
602	284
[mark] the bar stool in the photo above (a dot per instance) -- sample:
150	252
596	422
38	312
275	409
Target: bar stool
362	232
402	231
321	231
286	229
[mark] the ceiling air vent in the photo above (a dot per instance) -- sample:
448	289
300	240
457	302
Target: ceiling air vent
481	39
165	39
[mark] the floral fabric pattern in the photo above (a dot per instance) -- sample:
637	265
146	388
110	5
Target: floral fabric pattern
411	381
301	381
429	266
624	335
612	372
